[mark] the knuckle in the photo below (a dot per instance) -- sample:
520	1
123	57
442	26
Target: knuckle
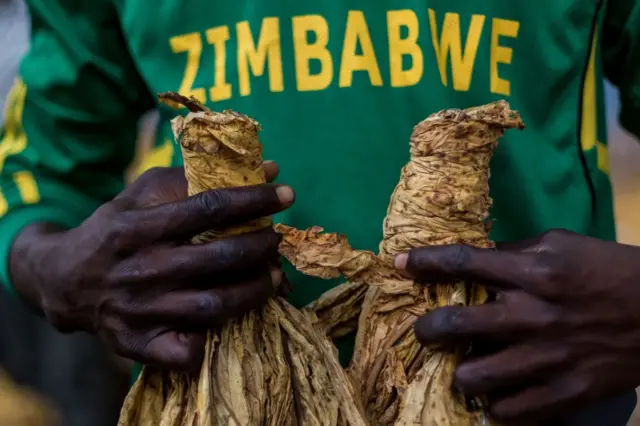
551	269
562	354
547	318
123	203
552	238
457	258
242	251
543	271
134	269
446	321
573	387
120	231
548	237
214	203
209	306
217	255
124	274
122	308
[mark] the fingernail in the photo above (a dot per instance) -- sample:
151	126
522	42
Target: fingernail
285	194
401	261
276	277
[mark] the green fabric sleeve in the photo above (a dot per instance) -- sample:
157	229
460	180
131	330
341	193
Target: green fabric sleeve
135	373
71	119
621	56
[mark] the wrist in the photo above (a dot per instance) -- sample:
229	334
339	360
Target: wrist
32	264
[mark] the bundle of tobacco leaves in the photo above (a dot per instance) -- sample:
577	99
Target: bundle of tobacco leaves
442	198
273	366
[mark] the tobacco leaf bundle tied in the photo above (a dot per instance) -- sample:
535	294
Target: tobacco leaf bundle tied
442	198
273	366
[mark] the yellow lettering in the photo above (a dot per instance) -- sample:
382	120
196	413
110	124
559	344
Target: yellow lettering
218	37
449	45
250	57
358	32
305	51
4	206
501	54
27	187
14	140
191	44
401	47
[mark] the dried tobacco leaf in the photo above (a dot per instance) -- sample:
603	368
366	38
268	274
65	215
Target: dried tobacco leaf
271	367
442	198
339	308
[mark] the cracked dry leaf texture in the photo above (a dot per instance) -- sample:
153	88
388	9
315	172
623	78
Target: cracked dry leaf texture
339	308
270	367
330	256
442	198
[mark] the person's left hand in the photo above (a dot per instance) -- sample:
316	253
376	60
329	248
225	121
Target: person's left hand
567	316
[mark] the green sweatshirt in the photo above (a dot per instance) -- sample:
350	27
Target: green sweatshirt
338	87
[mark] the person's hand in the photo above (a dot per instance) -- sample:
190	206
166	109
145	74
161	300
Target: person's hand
129	274
567	318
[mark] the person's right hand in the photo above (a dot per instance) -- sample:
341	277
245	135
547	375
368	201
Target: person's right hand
129	274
